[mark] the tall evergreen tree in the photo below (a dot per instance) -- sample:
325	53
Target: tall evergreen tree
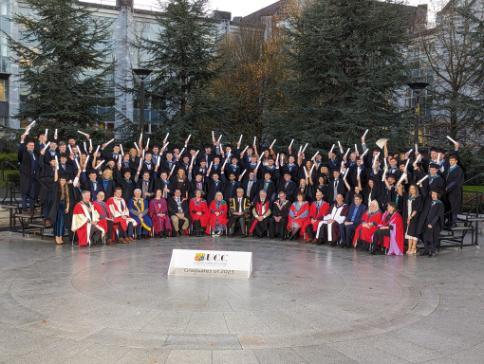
62	52
347	58
181	56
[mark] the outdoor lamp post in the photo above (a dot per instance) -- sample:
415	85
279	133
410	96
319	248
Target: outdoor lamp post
417	88
142	73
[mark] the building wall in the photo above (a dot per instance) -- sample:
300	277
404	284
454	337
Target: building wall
127	23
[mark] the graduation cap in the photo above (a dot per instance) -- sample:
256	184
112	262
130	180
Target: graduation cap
90	171
392	175
434	165
124	170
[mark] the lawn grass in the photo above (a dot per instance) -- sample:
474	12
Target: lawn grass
473	188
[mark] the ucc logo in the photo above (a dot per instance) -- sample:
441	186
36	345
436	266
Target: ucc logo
202	257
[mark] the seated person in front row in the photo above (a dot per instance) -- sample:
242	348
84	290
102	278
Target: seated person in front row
390	232
368	225
138	210
120	215
104	214
280	214
317	211
198	213
239	212
217	220
329	230
298	216
85	222
178	208
356	211
158	211
261	224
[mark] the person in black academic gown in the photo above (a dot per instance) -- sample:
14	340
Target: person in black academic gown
288	186
29	171
454	180
280	213
412	218
434	223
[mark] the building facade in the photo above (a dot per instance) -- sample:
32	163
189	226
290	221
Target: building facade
127	22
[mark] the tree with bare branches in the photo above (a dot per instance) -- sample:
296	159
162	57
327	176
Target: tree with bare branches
454	52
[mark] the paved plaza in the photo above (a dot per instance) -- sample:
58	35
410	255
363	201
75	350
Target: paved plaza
304	304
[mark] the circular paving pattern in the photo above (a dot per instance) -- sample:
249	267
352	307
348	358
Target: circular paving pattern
303	304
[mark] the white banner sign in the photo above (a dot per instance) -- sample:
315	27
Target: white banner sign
199	263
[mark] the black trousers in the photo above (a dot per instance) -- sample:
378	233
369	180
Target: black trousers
197	229
129	231
280	228
380	235
264	227
431	238
348	233
237	221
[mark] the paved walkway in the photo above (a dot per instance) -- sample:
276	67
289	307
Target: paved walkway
304	304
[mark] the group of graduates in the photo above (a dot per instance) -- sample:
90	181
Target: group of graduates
361	197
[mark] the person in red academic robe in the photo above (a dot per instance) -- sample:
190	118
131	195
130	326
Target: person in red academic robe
120	214
105	220
198	213
317	211
298	217
370	221
158	211
217	216
262	223
329	229
390	233
85	221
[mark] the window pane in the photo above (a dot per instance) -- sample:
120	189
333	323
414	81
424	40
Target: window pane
3	92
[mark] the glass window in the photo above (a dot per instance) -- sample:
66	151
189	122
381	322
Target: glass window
3	7
3	90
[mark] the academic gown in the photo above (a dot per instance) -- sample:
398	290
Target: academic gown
138	210
453	190
197	206
158	207
318	214
84	215
365	234
298	217
395	242
261	209
214	221
332	231
120	212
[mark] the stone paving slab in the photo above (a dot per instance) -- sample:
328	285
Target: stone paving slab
304	304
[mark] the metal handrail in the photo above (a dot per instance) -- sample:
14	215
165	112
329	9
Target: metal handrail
474	177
